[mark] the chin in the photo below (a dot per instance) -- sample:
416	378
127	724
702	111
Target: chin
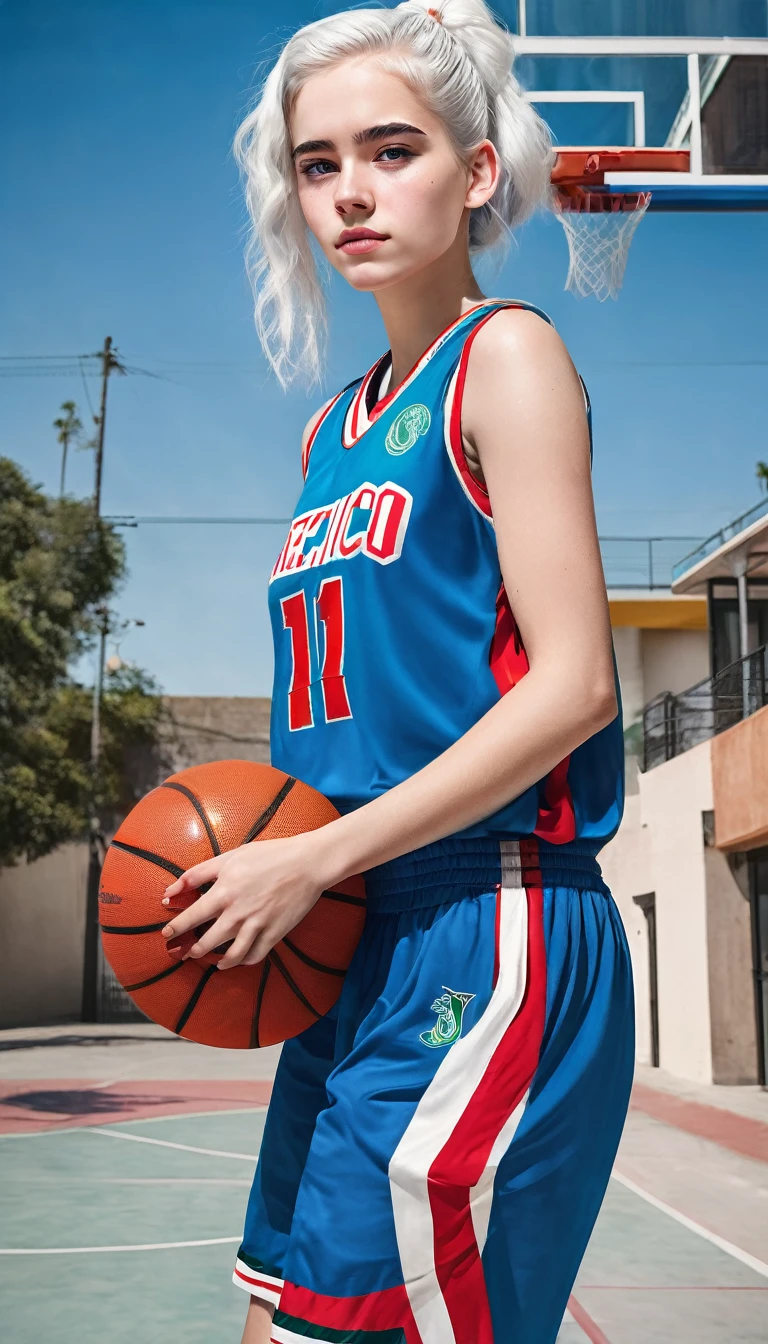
368	276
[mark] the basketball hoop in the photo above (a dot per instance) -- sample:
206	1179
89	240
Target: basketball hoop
600	221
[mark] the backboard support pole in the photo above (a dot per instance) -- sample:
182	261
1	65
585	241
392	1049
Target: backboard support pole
694	101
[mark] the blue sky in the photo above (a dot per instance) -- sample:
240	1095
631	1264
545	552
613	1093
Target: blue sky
122	216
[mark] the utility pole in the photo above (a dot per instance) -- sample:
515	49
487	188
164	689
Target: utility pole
108	363
90	998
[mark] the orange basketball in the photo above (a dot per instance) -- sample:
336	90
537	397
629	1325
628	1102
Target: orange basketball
190	817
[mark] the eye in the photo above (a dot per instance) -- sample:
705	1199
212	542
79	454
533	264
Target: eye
393	153
318	168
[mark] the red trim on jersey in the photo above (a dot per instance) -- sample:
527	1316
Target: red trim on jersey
463	1159
307	449
497	937
529	862
556	821
389	1309
354	417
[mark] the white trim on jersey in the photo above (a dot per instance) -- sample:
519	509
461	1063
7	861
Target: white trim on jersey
436	1117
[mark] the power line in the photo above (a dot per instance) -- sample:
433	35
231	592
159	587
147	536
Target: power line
133	520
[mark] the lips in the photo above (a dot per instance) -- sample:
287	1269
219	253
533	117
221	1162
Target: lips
360	240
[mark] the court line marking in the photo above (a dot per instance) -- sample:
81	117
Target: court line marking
751	1261
96	1250
140	1120
585	1323
166	1143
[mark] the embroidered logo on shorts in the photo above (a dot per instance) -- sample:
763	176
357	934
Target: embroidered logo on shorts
406	428
450	1017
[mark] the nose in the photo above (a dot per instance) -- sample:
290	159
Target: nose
352	194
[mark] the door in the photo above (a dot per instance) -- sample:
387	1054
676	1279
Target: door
647	904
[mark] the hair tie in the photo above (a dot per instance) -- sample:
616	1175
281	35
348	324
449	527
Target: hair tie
436	15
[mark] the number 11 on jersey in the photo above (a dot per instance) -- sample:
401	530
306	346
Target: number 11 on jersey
329	608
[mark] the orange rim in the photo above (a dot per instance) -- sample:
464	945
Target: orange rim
587	167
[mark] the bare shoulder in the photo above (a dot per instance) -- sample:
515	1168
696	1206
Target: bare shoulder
516	339
520	380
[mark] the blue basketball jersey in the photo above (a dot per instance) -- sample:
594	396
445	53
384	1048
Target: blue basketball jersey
392	628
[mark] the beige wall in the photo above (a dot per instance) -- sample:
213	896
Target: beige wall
42	922
740	775
673	660
629	664
672	799
626	865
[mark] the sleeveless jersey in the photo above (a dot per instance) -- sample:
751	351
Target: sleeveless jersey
392	629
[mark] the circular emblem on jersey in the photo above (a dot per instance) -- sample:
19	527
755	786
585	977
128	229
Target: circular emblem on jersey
406	428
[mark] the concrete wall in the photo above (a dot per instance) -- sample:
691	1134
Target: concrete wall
626	865
627	643
673	660
740	779
672	800
42	904
42	923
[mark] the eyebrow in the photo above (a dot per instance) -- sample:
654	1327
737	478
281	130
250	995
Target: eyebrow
367	137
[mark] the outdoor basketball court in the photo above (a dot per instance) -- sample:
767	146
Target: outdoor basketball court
124	1176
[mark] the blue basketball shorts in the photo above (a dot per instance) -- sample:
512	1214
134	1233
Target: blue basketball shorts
437	1149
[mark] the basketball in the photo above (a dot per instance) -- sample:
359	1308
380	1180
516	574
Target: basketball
191	816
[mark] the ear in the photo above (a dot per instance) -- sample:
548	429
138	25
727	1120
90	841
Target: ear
485	171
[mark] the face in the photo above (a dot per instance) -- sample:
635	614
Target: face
379	182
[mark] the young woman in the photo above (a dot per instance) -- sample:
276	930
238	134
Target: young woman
437	1149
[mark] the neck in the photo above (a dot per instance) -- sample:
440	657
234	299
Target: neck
417	309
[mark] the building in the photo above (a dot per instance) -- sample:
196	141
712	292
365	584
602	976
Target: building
689	866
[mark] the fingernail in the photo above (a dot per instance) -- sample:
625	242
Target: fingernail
166	901
168	930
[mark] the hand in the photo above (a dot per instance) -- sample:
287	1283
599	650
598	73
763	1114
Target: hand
260	892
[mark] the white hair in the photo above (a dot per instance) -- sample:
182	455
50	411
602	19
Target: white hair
460	63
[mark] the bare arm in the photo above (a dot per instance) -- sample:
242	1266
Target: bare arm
524	414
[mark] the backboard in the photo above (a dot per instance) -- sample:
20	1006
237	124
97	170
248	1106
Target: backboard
675	74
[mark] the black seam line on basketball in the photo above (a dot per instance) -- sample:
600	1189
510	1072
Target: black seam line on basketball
200	810
269	812
132	928
172	868
342	896
286	974
257	1009
193	998
153	979
310	961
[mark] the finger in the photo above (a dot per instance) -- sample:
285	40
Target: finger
236	954
199	912
196	877
261	947
224	930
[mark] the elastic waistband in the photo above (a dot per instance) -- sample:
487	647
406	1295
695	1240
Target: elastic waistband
453	869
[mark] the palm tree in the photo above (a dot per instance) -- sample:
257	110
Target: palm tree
761	471
70	427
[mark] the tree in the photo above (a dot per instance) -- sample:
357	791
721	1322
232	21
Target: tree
59	563
70	426
761	471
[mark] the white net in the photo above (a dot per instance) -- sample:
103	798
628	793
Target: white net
599	230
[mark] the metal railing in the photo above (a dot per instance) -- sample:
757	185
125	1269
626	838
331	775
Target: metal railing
641	562
673	724
718	539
